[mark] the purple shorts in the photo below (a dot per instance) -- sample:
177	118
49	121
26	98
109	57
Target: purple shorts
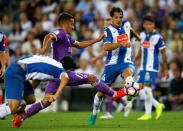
75	79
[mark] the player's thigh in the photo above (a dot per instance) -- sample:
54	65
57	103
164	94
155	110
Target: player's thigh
110	74
14	104
127	69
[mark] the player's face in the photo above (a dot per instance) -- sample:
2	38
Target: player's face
117	19
149	26
70	25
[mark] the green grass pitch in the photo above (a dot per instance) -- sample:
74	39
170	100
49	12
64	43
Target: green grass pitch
78	121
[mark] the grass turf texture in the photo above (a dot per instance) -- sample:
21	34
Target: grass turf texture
78	121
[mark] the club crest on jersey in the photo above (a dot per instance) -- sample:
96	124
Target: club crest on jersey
146	44
122	38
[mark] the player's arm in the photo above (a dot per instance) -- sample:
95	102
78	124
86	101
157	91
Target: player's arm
64	80
113	46
132	31
46	42
165	65
88	43
3	62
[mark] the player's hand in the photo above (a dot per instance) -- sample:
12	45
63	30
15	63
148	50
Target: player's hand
94	60
2	72
126	44
166	73
41	51
52	98
102	36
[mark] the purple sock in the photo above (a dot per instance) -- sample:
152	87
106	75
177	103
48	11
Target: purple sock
103	88
110	104
122	101
35	108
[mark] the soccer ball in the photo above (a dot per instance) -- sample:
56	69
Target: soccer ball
132	88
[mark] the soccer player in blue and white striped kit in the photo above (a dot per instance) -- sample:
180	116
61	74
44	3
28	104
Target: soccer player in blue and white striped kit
30	68
152	44
119	56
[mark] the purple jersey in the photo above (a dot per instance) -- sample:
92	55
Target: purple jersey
62	45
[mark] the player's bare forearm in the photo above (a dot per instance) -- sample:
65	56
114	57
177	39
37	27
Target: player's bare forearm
135	34
88	43
63	83
84	44
113	46
47	41
165	63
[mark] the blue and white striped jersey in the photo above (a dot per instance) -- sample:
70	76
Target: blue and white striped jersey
150	46
115	35
2	44
39	67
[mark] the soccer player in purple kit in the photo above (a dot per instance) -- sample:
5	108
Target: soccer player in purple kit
61	46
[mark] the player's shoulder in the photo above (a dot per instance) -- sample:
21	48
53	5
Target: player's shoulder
59	31
143	34
126	23
108	29
157	35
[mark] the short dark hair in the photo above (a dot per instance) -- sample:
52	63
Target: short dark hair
68	63
64	17
148	18
115	9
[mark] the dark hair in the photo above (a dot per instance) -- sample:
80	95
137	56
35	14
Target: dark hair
68	63
148	18
115	9
64	17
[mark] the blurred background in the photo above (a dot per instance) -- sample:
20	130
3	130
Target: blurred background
25	23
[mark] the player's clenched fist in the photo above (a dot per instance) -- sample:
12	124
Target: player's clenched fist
126	44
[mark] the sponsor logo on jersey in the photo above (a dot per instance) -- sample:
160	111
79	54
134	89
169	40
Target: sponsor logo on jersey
146	44
122	38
